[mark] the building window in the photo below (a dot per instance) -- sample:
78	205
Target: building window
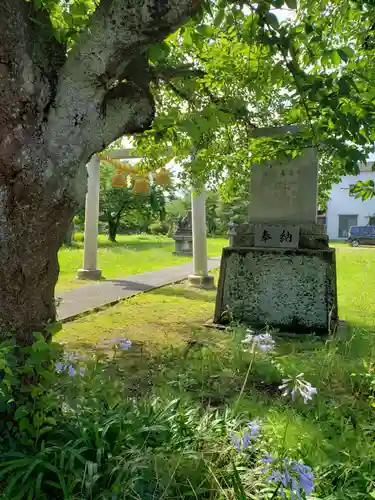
345	222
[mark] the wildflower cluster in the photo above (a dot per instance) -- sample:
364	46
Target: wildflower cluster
119	343
249	436
298	387
289	475
263	341
69	365
286	474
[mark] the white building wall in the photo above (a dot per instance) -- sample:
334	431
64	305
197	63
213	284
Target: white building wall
342	204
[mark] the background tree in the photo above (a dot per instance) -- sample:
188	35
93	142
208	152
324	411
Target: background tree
212	202
121	205
221	208
235	209
175	209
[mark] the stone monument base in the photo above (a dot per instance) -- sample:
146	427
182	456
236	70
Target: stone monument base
288	289
89	274
184	245
197	281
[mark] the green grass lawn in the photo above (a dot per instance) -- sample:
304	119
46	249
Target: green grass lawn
356	279
130	255
173	355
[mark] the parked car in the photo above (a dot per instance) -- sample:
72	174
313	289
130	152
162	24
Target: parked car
361	235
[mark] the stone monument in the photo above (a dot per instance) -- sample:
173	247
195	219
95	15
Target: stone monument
279	270
184	236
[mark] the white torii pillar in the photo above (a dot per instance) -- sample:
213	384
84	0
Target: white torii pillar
90	270
200	278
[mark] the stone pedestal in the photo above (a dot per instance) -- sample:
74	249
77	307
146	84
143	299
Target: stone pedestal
89	274
90	270
206	282
289	289
183	244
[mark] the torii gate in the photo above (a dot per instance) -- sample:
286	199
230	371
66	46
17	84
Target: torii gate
90	271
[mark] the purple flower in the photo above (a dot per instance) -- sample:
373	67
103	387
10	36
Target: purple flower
305	477
267	460
246	441
71	371
249	436
236	442
264	341
120	343
70	368
254	427
292	476
298	386
60	367
125	344
309	393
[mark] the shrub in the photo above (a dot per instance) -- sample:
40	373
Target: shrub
73	432
159	228
100	444
75	435
79	221
79	237
104	445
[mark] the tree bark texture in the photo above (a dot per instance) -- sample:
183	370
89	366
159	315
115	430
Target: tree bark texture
57	109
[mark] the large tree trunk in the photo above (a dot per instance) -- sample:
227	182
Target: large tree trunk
57	109
30	239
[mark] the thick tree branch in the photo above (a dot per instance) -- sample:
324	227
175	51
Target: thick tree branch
117	37
168	73
127	109
30	58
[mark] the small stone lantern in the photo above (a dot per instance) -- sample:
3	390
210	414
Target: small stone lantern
184	236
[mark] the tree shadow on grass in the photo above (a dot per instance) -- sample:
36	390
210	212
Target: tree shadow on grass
209	367
185	293
353	334
199	370
137	245
125	284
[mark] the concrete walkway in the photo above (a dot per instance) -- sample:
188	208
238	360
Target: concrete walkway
84	299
